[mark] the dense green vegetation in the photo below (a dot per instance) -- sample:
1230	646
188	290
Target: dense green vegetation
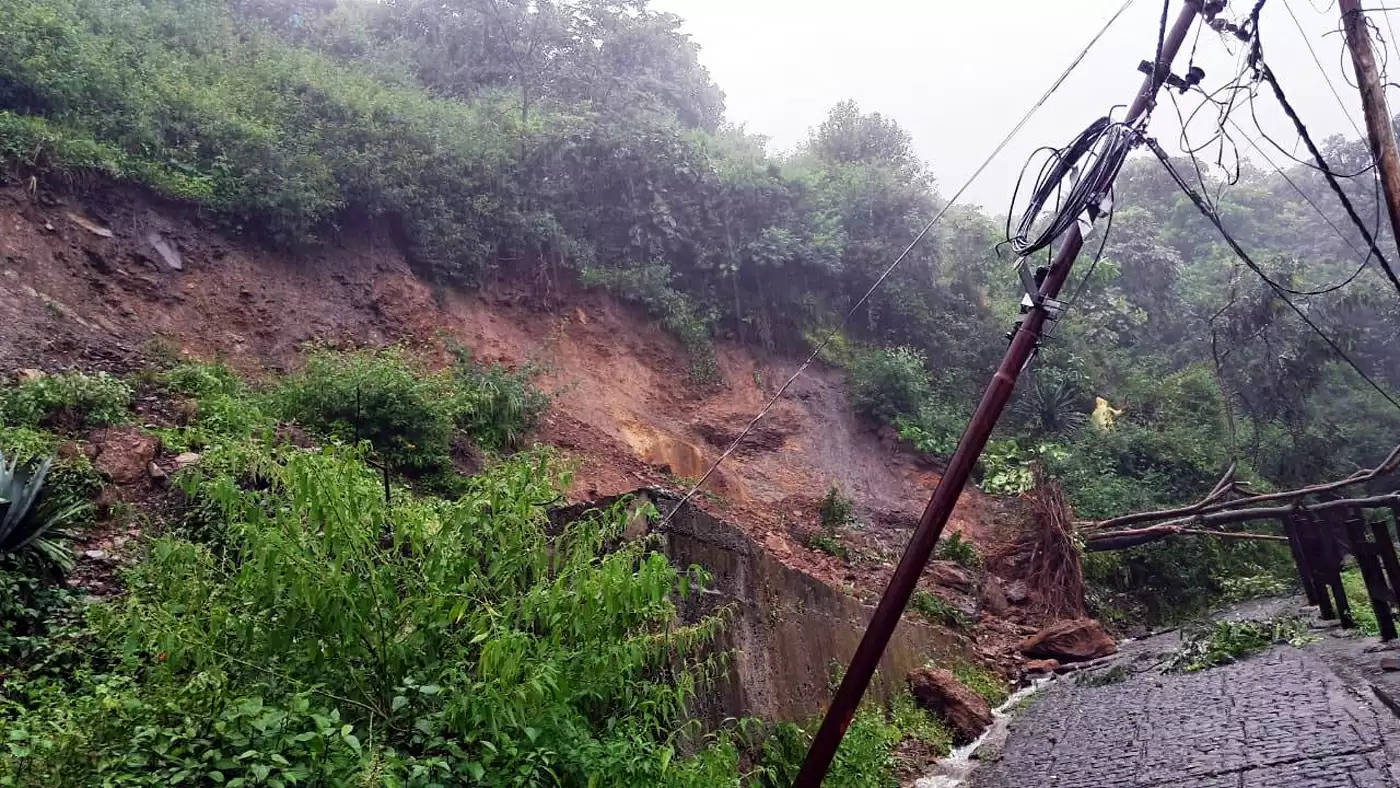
1212	644
293	620
515	138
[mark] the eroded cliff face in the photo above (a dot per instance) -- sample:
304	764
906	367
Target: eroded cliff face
109	278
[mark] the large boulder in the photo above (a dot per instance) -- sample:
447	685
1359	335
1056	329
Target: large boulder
939	691
124	454
1073	640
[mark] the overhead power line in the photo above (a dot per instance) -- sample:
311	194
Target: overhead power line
1214	218
816	351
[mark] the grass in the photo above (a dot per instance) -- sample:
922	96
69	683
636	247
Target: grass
938	610
956	549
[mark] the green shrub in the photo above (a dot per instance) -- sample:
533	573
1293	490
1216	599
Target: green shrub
338	638
887	383
407	412
494	405
69	400
382	396
954	548
1006	469
938	610
865	757
30	519
836	510
829	542
651	287
1360	600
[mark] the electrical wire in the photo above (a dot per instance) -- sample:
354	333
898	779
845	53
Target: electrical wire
1090	162
1214	218
816	351
1267	74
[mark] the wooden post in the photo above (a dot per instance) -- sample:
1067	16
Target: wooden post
1300	559
1368	562
1378	126
1332	533
1386	549
1311	543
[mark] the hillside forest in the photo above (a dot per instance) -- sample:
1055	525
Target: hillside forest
548	142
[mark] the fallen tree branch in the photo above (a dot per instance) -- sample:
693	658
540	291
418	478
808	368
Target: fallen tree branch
1213	502
1119	540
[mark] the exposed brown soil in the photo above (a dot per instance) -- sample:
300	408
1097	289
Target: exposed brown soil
624	409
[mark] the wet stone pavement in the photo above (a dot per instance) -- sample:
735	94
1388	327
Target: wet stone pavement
1278	720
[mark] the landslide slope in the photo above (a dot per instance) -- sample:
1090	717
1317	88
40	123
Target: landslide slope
89	280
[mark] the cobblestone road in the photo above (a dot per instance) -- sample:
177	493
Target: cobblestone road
1275	721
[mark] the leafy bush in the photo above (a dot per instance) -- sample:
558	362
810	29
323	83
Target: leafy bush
1005	469
651	287
1360	600
406	412
381	396
71	400
494	405
887	383
829	542
865	757
836	510
400	643
938	610
33	615
954	548
1223	642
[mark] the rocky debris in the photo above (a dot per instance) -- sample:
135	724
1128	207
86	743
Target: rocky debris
167	251
951	575
992	597
124	454
89	225
97	555
1041	665
1390	663
186	458
1017	593
157	474
1072	640
939	691
70	450
29	375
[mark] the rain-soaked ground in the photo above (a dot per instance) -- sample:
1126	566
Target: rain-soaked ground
1289	717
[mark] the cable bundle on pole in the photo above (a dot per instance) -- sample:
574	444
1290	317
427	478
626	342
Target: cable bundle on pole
1074	179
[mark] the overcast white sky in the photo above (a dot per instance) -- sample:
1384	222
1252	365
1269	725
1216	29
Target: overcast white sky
957	75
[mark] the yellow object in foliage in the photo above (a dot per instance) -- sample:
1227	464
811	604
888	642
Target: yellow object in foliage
1104	414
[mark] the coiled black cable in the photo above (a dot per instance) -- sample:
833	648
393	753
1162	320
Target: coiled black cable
1074	179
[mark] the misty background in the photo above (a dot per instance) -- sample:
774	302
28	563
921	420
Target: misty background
957	76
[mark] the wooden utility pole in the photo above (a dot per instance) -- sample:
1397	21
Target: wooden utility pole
940	506
1378	124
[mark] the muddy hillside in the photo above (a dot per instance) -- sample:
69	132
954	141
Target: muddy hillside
107	278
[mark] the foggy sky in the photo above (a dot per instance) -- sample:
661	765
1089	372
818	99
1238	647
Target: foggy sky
958	75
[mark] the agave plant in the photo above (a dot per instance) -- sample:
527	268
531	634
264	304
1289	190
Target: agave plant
27	519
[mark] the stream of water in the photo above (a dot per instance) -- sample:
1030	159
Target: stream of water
950	772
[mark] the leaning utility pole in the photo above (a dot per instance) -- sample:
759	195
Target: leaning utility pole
1378	123
974	439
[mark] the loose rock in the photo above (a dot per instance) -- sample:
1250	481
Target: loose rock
950	575
1074	640
185	458
29	375
939	691
124	454
1042	665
